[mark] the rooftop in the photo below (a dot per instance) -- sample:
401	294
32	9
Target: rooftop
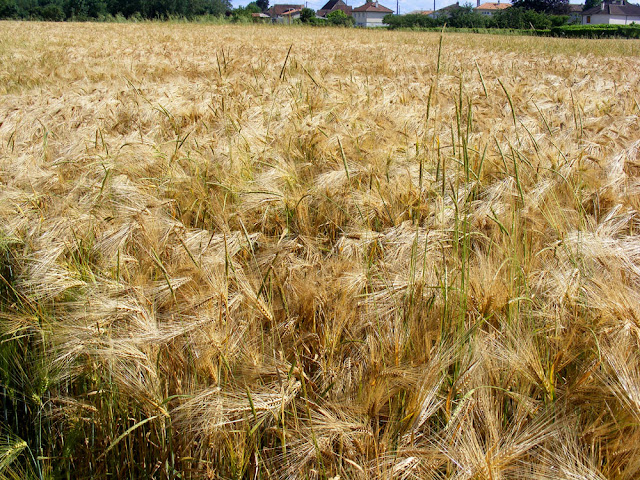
617	7
373	7
493	6
280	8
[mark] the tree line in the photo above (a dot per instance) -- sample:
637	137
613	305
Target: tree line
465	17
59	10
524	14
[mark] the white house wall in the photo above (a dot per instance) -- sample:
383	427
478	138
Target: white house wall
369	19
611	19
288	19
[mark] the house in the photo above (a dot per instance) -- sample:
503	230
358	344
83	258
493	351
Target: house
289	16
613	12
332	6
277	11
260	17
490	8
575	13
446	11
370	15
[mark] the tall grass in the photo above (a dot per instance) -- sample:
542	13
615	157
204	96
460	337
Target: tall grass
247	252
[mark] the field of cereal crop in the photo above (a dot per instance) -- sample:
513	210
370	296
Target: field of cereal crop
271	252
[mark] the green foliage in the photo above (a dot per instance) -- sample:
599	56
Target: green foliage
597	31
306	15
253	7
591	3
58	10
8	9
559	20
339	18
247	11
84	9
466	18
24	377
521	18
262	4
243	14
410	21
543	6
51	12
318	22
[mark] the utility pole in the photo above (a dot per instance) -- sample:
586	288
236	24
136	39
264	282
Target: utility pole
397	7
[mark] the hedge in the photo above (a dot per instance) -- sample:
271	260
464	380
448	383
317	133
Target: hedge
489	31
597	31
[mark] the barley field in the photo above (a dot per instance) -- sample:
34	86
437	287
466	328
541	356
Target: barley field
276	253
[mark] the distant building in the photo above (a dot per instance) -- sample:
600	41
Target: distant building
575	13
370	15
276	12
446	11
614	12
260	17
490	8
332	6
290	15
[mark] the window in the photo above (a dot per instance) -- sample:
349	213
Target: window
588	18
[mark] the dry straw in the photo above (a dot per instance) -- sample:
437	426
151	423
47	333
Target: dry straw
265	252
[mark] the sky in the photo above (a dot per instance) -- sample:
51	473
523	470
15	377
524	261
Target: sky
406	6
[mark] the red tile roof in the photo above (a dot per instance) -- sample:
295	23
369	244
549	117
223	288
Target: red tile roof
493	6
278	9
373	7
622	7
332	6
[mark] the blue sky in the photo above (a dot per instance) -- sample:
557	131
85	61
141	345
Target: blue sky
405	5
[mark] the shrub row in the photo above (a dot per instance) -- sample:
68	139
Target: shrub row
490	31
465	17
597	31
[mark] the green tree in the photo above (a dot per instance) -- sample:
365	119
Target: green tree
219	7
263	4
519	18
466	17
8	9
306	15
543	6
415	20
245	12
253	7
124	7
339	18
591	3
49	11
84	9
